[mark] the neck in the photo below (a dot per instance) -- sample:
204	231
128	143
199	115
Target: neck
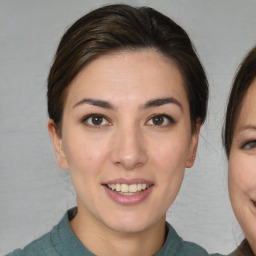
101	240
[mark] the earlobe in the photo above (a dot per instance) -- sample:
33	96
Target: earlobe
194	144
190	162
61	150
58	145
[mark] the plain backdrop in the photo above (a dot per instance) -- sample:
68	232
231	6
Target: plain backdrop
34	192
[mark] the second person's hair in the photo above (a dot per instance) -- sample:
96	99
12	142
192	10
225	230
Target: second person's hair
243	79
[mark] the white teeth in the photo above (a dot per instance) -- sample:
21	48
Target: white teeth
125	189
118	187
112	186
133	188
127	194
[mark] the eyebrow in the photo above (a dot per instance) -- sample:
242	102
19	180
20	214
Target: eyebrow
149	104
95	102
161	102
248	127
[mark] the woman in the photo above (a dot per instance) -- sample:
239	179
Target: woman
127	95
239	138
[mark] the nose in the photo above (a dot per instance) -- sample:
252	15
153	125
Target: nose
128	149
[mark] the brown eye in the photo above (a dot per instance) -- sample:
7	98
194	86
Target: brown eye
158	120
161	120
95	120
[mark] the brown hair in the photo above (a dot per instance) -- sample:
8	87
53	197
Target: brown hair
243	79
122	27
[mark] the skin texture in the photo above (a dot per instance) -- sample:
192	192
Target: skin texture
128	144
242	167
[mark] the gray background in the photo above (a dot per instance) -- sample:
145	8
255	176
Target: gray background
34	192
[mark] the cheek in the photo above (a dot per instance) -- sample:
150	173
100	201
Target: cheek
241	177
176	147
171	153
235	179
84	152
170	163
237	171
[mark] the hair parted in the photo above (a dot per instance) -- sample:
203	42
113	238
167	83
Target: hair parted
244	77
122	27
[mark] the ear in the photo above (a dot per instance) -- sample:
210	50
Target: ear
57	143
193	144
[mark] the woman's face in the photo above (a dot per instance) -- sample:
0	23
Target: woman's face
242	167
126	139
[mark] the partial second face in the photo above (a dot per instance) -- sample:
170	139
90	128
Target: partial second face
127	138
242	166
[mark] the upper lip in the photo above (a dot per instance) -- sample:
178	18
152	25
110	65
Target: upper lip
129	181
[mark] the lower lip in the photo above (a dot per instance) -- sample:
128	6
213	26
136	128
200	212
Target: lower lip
128	200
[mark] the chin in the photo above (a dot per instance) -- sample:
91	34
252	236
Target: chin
132	224
129	228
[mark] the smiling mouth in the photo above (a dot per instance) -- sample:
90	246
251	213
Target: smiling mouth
128	190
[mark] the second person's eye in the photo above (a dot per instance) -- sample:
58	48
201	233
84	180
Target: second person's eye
249	145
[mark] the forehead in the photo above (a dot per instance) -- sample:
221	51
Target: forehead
128	75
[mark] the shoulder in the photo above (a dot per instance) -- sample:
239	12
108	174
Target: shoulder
46	244
39	247
175	245
17	252
59	241
189	248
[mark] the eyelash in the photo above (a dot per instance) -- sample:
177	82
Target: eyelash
251	144
170	120
86	119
